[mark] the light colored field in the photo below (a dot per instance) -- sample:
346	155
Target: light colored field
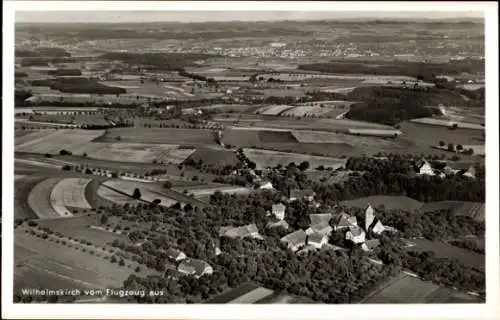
58	140
19	176
147	194
33	135
46	124
69	192
273	110
448	123
305	136
308	111
266	158
134	152
115	197
203	191
39	199
375	132
389	202
405	289
253	296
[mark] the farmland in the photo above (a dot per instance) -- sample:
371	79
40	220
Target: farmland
23	187
69	193
386	202
147	194
444	250
448	123
68	265
431	135
212	156
265	159
159	136
58	140
407	289
39	199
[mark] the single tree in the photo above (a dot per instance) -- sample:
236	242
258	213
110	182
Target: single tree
136	194
451	147
442	143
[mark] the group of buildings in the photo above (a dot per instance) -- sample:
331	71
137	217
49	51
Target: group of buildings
442	169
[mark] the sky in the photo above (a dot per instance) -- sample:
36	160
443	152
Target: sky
203	16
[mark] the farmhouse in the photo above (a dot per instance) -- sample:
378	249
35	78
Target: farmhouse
320	218
317	240
240	232
346	221
464	169
266	185
295	240
194	267
355	234
369	245
423	167
278	211
175	255
306	194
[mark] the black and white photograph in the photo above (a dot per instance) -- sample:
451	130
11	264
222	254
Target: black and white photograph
250	155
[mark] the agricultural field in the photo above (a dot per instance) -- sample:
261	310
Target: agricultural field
214	156
22	188
159	136
115	196
265	158
149	88
67	265
407	289
386	202
24	136
444	250
273	110
424	135
39	199
57	140
231	108
203	191
69	193
304	136
147	194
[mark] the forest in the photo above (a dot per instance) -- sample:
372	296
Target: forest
392	105
78	85
425	71
164	61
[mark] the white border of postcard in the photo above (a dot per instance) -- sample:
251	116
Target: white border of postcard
489	310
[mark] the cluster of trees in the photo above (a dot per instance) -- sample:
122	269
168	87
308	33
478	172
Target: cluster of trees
21	95
65	72
469	244
393	105
78	85
451	147
45	61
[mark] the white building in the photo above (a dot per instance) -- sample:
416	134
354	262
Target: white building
278	211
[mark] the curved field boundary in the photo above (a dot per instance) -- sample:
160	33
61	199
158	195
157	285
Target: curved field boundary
147	194
22	189
39	199
70	192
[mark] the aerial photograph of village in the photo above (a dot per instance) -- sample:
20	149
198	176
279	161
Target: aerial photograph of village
261	160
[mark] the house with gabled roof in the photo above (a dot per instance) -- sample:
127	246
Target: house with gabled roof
195	268
355	234
320	218
278	210
423	167
175	254
280	224
345	221
317	240
462	168
248	231
295	240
